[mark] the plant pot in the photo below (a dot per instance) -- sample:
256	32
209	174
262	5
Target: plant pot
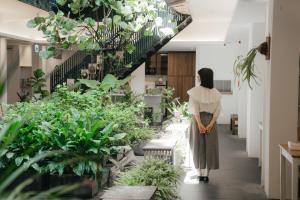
263	48
138	148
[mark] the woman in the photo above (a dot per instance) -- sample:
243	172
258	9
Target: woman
204	104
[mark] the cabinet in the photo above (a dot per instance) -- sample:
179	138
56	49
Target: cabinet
157	64
181	73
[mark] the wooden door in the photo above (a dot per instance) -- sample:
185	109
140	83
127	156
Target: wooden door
181	73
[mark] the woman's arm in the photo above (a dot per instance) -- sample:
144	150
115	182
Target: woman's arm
199	123
214	118
193	108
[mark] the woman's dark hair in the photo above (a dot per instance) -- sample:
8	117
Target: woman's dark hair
206	77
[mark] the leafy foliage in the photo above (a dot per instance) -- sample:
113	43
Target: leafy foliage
86	126
154	173
87	23
38	83
8	135
178	109
244	67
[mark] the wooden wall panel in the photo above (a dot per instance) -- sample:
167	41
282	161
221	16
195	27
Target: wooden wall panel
187	83
181	73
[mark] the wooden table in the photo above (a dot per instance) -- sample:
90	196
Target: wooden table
129	193
294	158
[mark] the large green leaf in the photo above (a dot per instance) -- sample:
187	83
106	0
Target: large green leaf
118	136
93	84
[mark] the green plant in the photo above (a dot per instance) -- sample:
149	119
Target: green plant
24	96
91	21
9	173
85	125
244	67
177	109
83	134
167	97
38	83
154	173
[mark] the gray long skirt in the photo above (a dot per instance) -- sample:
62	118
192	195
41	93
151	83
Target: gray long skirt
204	147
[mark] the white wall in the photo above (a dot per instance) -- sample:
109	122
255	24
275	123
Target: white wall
220	59
137	84
282	82
256	94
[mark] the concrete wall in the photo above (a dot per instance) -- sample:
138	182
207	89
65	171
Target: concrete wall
137	84
282	82
13	71
256	94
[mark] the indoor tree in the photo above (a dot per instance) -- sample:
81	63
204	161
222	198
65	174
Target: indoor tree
89	24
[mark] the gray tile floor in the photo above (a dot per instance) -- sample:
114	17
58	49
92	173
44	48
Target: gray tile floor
237	179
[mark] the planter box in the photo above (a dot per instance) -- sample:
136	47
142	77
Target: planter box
89	186
130	192
38	184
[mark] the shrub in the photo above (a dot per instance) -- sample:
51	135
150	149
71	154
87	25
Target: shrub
153	173
87	127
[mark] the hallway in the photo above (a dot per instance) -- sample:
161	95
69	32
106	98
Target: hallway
237	179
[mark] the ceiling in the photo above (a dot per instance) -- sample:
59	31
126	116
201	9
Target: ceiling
211	20
217	21
13	18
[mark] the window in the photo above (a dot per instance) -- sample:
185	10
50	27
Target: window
223	86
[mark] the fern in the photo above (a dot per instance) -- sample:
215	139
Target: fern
154	173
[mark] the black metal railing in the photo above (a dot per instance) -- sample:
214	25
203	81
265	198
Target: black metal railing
145	46
70	69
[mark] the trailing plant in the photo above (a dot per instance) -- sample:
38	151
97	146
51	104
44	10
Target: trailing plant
154	173
38	83
244	67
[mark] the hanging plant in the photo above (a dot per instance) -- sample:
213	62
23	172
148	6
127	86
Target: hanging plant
244	67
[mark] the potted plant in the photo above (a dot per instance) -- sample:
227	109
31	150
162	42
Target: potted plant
244	67
178	110
38	83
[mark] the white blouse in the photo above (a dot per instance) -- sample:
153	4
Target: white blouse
204	100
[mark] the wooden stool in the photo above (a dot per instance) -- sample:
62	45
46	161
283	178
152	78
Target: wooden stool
234	124
129	193
233	121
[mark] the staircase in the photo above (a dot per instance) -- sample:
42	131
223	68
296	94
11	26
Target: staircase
146	46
